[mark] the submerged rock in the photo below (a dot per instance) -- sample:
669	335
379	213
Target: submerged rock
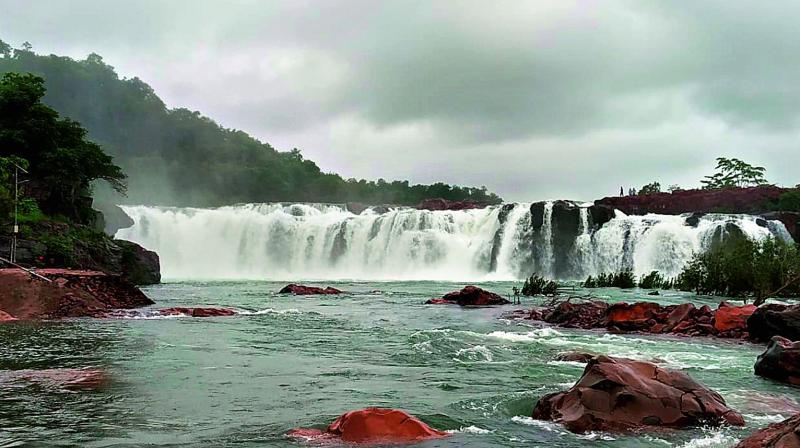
775	320
69	379
196	312
781	361
302	290
372	426
618	394
470	296
69	294
785	434
5	317
574	357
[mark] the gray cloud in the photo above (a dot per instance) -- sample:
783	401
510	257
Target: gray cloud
532	99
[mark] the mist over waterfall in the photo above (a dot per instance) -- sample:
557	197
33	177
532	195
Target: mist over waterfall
510	241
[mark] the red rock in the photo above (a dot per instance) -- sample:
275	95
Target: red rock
5	317
196	312
374	426
588	314
632	317
470	296
728	318
301	290
617	394
71	293
678	315
736	200
785	434
780	361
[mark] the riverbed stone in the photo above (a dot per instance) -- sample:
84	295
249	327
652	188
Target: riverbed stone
373	426
785	434
780	361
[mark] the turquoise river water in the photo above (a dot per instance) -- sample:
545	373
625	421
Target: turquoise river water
288	361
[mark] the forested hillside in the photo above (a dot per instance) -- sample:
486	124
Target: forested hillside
180	157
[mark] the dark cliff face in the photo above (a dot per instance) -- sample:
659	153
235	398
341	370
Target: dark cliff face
565	228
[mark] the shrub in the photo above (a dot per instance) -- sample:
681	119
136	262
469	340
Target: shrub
538	285
654	280
624	279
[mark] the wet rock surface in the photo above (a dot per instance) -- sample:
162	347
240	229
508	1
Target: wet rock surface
372	426
618	394
470	296
302	290
775	320
780	361
785	434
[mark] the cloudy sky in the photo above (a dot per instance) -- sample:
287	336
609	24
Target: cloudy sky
534	99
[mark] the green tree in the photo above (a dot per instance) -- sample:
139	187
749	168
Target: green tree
734	173
5	49
62	161
651	188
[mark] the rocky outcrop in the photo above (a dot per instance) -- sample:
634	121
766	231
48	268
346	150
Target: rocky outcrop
775	320
301	290
470	296
69	294
727	321
445	204
781	361
137	264
573	357
789	219
751	200
617	394
196	312
372	426
785	434
113	218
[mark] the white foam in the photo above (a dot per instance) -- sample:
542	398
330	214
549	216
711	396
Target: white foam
716	439
469	430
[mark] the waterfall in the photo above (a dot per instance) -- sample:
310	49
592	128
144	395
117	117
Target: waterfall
322	241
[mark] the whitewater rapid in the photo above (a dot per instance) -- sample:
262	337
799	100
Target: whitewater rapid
320	241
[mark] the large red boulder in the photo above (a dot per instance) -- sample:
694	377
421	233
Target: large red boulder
196	312
732	318
373	426
302	290
785	434
470	296
638	316
781	361
568	314
618	394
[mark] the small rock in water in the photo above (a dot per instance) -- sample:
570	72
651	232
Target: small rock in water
196	312
618	394
574	357
372	426
302	290
653	293
470	296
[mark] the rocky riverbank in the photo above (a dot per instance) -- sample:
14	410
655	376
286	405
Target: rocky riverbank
68	293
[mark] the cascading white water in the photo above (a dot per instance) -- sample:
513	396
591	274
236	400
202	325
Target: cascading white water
317	241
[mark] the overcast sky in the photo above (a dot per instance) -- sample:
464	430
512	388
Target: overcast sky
535	100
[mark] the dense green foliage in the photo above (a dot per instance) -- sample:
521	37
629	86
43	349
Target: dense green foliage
179	157
61	162
745	268
654	280
623	279
789	201
651	188
538	285
735	173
